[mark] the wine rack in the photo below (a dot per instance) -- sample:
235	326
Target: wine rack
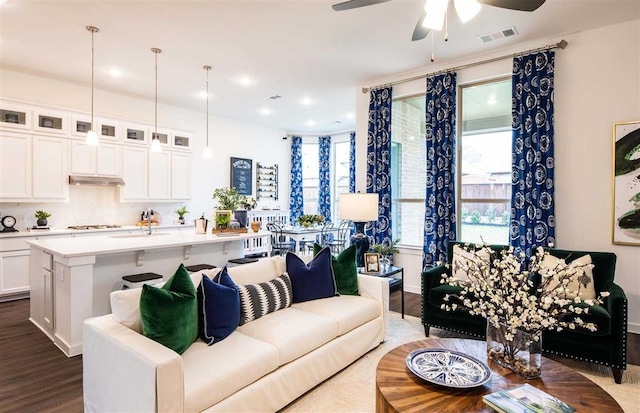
266	181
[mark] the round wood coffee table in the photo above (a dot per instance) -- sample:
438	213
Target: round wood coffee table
399	390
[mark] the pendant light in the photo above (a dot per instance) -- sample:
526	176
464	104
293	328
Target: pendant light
206	153
155	140
92	136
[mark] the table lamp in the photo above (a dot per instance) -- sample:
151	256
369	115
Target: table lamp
359	208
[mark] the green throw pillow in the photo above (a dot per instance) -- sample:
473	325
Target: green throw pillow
344	269
169	314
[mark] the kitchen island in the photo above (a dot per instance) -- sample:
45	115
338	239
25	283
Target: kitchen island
71	279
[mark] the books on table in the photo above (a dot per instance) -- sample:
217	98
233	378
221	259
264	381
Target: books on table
525	399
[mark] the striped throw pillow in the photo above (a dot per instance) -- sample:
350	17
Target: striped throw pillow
257	300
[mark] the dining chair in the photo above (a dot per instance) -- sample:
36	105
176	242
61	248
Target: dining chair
280	244
340	237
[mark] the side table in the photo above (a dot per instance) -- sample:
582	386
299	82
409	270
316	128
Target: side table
396	280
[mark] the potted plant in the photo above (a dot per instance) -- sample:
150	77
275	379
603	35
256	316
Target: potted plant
42	217
182	211
248	203
386	251
308	220
227	198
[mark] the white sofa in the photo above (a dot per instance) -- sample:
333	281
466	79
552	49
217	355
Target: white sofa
262	366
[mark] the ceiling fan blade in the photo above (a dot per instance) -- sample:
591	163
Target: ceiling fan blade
420	32
353	4
521	5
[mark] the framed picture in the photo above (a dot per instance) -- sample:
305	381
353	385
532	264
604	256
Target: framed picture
222	218
371	262
626	183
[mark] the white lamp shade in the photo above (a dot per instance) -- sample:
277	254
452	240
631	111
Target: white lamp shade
206	153
359	207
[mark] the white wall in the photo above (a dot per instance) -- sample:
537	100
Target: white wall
597	84
91	205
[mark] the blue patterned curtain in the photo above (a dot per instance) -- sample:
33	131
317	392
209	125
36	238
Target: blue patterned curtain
379	162
440	215
352	163
324	182
296	206
532	203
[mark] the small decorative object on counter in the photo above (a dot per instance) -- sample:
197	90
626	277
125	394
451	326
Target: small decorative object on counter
42	217
201	225
224	223
255	226
182	211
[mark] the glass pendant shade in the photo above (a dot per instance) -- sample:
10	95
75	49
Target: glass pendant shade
155	145
92	138
206	153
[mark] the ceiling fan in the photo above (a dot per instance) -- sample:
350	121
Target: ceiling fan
437	8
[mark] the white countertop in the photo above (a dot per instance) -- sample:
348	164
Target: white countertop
109	244
62	231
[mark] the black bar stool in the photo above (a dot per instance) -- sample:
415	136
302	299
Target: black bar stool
138	280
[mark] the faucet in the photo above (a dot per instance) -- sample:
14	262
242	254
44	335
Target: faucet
149	213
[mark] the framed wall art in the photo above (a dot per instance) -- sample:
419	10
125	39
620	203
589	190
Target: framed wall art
626	183
242	175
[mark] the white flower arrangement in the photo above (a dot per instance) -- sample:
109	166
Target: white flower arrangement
502	292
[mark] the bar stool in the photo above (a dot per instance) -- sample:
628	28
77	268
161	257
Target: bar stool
138	280
240	261
199	267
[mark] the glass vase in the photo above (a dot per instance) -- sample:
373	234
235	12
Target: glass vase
519	351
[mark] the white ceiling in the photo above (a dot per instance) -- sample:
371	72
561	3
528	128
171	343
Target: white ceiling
295	49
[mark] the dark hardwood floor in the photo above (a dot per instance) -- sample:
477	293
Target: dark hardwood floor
36	377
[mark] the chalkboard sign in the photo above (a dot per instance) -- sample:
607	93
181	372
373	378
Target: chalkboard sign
241	175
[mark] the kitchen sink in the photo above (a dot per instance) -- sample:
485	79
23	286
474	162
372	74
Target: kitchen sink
139	235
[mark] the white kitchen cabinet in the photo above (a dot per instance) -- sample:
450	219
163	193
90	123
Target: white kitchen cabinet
15	166
14	273
181	172
49	168
135	172
102	160
159	176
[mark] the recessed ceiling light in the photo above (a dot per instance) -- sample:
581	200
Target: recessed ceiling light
349	115
306	101
310	123
265	111
245	80
203	94
492	100
114	71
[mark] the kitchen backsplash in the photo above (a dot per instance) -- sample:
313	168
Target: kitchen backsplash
89	205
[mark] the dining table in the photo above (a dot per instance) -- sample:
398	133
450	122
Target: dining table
302	235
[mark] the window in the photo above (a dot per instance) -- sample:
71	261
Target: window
484	173
408	163
484	169
310	177
341	175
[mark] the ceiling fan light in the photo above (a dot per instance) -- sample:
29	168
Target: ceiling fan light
466	9
433	21
435	9
92	138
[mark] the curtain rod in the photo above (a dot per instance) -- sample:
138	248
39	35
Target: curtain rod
561	45
317	135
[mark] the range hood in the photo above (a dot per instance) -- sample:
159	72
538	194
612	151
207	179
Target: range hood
95	180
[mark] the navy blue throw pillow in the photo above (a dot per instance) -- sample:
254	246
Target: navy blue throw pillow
218	307
312	281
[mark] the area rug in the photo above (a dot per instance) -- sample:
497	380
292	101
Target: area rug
353	389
